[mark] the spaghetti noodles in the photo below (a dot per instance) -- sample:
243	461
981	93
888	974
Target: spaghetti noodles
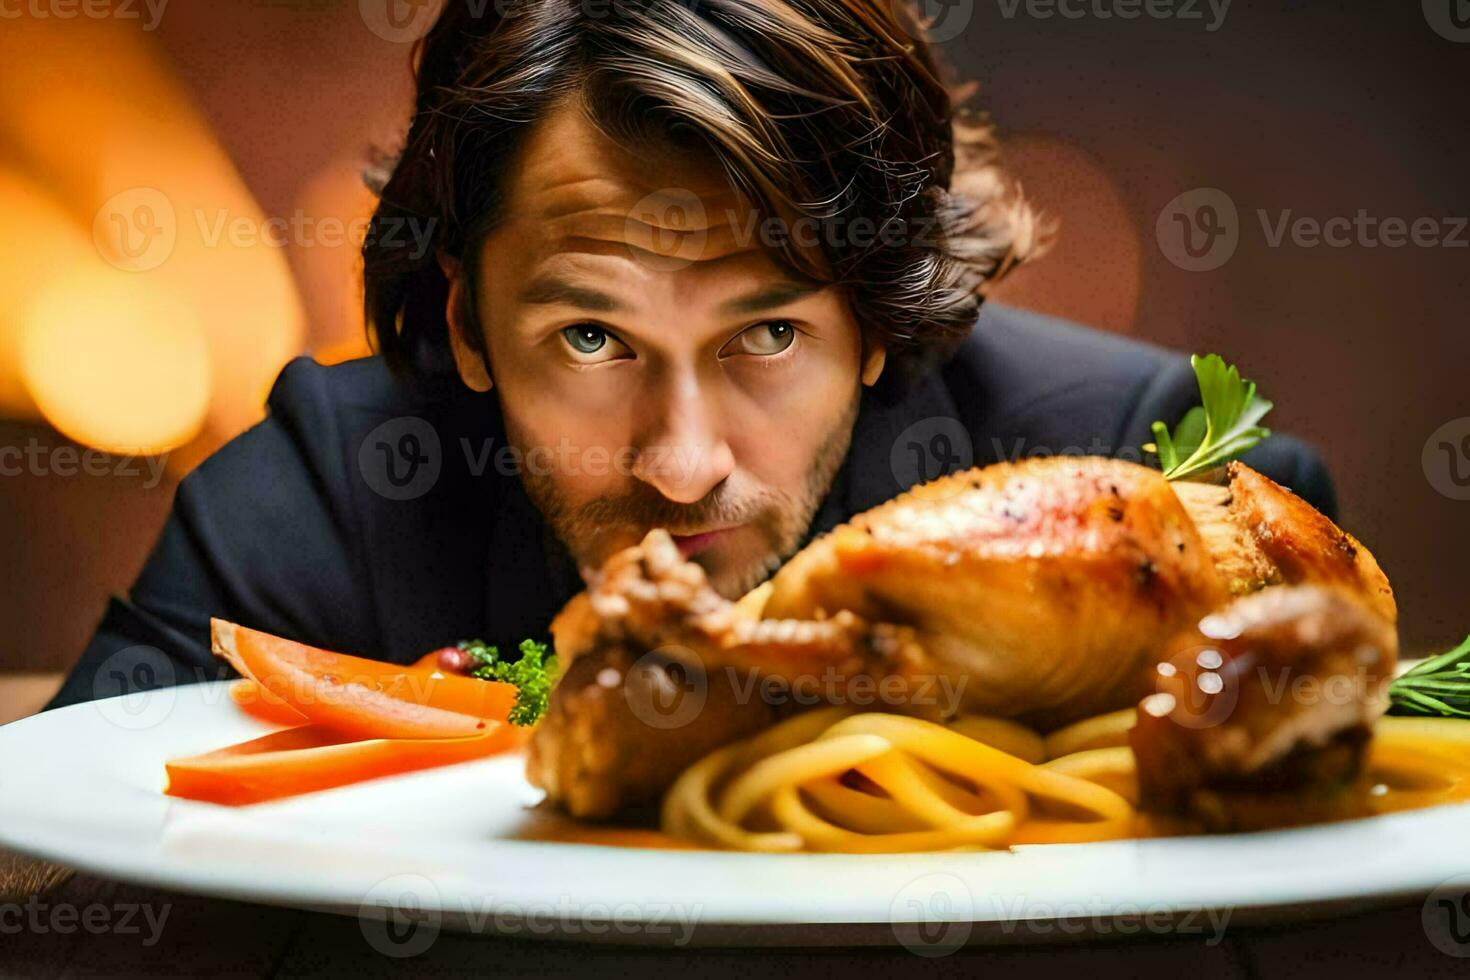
832	780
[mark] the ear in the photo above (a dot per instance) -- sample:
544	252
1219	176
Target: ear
469	355
875	355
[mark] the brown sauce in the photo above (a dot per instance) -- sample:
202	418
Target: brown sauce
543	824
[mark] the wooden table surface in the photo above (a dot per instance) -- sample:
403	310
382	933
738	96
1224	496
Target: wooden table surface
55	922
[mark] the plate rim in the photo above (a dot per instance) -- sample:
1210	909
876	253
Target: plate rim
734	924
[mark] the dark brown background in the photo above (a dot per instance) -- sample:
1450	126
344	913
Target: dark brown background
1323	108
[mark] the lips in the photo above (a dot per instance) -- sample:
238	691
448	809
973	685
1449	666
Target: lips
692	544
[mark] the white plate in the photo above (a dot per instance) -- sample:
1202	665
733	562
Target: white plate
82	787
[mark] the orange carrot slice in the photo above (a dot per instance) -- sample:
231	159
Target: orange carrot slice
312	758
362	698
255	700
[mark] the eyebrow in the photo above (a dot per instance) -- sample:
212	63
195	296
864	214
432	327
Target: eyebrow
769	297
549	290
553	290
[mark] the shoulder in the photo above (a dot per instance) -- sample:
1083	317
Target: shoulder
364	431
1038	384
1024	371
1027	384
353	484
316	450
1007	332
322	399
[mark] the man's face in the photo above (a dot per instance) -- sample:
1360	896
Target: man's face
655	367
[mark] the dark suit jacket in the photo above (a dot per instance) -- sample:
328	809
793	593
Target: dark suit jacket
326	522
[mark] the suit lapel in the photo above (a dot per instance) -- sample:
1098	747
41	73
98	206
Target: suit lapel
426	553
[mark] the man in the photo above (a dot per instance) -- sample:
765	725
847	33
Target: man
713	266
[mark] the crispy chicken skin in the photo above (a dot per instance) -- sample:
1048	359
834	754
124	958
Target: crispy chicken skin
1262	534
1046	590
1277	691
1048	584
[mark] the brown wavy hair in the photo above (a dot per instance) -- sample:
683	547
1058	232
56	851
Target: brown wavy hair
825	109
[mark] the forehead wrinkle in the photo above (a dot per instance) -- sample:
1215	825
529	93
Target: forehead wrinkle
645	243
608	195
602	215
572	195
599	258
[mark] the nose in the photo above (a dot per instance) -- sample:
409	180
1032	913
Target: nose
685	454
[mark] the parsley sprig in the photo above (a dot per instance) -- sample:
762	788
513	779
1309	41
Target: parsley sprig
534	675
1226	425
1439	686
1212	434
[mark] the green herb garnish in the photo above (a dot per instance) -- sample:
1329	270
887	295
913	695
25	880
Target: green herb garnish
534	675
1439	686
1216	432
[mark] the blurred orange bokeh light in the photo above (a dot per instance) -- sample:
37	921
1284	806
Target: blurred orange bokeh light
95	340
150	306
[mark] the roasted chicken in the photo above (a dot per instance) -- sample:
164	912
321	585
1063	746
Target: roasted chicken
1046	590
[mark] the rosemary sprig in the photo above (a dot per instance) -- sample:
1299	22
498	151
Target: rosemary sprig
1439	686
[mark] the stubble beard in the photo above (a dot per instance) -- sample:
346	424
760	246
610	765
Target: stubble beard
593	531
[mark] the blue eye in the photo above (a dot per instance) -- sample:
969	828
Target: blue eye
592	343
585	338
